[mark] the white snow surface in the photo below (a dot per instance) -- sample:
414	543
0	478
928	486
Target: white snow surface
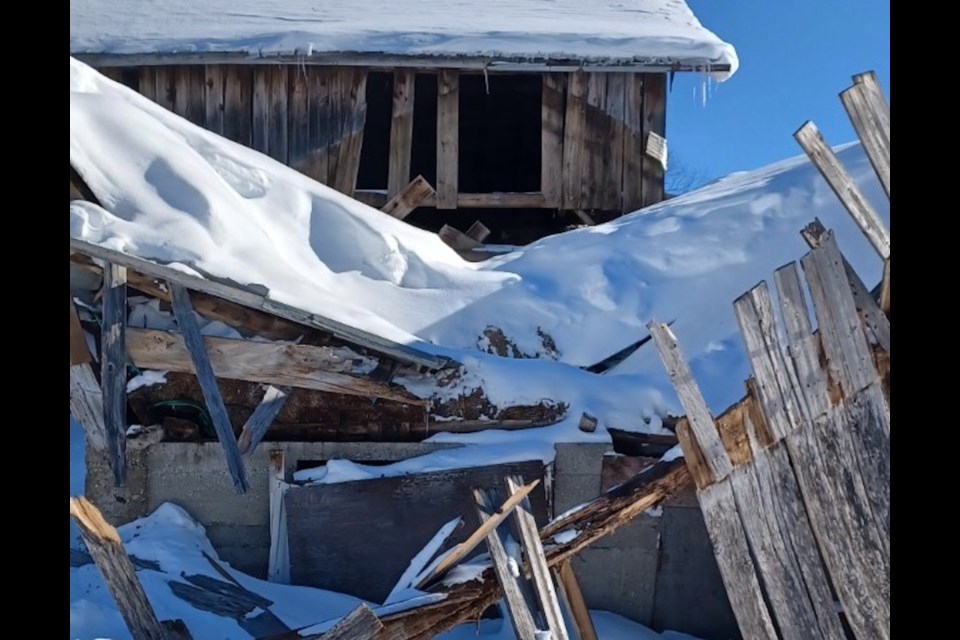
602	31
179	194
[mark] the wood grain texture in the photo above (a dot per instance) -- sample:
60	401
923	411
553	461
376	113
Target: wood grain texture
859	208
633	143
354	117
237	104
574	132
359	624
262	417
611	185
552	109
213	98
570	587
401	131
79	351
86	405
596	142
106	549
654	120
409	198
187	322
189	93
448	136
113	368
298	117
869	130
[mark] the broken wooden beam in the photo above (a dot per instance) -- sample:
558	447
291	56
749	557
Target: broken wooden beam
409	198
274	398
478	231
106	549
570	587
292	365
867	123
193	340
113	368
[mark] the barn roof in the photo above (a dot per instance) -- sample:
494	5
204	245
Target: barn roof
648	34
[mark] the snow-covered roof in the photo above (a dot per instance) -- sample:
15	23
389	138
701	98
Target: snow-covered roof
638	33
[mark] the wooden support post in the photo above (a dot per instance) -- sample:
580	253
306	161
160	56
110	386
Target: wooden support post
262	417
278	569
409	198
187	321
570	587
520	616
533	549
401	130
552	108
863	213
359	624
118	572
448	132
113	368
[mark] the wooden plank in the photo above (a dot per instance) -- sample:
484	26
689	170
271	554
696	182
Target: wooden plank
464	548
166	88
79	351
863	213
533	550
654	120
596	140
633	143
187	322
574	132
113	368
735	561
578	606
316	162
505	200
878	105
359	624
298	122
277	142
701	422
448	136
869	130
148	82
237	103
457	239
260	129
351	145
333	124
656	148
246	298
611	187
213	98
552	109
262	417
478	231
874	317
401	131
293	365
118	573
885	293
278	565
409	198
189	93
86	405
520	617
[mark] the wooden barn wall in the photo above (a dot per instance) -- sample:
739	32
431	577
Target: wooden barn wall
594	126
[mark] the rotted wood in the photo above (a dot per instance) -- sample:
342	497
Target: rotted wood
863	213
118	573
113	368
193	340
274	398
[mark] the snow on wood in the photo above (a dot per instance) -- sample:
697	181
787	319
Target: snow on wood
274	399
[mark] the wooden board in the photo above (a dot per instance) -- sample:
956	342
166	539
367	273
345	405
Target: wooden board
611	180
574	133
633	143
166	88
316	162
298	123
399	514
409	198
448	135
269	120
654	120
867	124
354	117
189	93
237	96
213	94
596	140
552	108
401	131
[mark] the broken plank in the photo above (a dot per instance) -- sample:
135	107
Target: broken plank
213	99
552	109
282	364
187	321
487	525
533	549
448	127
401	131
118	573
262	417
278	566
570	588
409	198
113	368
869	130
701	422
86	405
863	213
520	617
359	624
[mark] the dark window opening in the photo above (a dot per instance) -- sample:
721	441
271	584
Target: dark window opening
375	152
423	155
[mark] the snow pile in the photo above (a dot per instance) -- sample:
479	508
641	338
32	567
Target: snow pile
605	31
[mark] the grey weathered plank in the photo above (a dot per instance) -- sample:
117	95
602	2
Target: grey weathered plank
873	315
237	95
693	404
113	368
540	572
277	118
612	180
520	616
86	405
596	139
355	117
552	109
633	143
885	293
401	131
262	417
848	354
359	624
298	122
189	94
246	298
278	564
448	136
457	239
734	560
654	120
409	198
187	321
166	88
879	106
867	125
260	123
334	122
478	231
574	130
570	589
148	82
118	573
863	213
213	98
316	163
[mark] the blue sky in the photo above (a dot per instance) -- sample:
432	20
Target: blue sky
795	58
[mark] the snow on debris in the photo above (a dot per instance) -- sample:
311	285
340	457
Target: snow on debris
605	31
178	193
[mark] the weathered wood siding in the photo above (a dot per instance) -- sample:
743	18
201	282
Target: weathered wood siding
594	128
